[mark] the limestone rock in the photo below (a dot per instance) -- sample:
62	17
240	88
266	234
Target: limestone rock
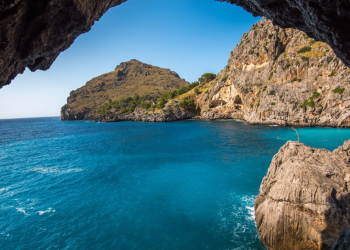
325	21
304	199
281	76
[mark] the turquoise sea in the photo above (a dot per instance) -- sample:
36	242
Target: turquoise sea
133	185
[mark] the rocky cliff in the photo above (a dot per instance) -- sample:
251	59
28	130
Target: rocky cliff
127	80
325	21
280	76
304	199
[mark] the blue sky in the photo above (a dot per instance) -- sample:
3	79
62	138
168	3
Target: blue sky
190	37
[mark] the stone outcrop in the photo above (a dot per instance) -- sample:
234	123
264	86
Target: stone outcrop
33	33
304	199
325	21
128	79
171	112
281	76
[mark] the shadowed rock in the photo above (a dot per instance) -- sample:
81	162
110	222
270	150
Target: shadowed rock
34	32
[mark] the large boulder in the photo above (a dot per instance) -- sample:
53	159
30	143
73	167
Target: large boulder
304	198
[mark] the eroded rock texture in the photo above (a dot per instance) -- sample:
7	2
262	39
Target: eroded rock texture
34	32
327	21
280	76
304	198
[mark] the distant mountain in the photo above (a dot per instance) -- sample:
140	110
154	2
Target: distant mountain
127	80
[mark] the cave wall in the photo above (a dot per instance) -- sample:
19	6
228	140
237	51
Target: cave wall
34	32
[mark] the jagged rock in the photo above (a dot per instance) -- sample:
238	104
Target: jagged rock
281	76
33	33
304	199
164	115
325	21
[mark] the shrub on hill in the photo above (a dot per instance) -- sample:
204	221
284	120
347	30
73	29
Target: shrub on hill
188	104
206	77
304	49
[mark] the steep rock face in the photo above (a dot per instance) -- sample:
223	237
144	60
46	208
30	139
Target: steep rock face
128	78
304	198
33	33
325	21
281	76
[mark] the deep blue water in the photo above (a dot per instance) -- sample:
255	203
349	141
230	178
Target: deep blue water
133	185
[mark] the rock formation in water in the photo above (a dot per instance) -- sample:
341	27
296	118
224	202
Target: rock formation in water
280	76
127	80
304	199
33	33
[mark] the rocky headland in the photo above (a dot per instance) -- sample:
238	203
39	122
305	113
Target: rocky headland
304	199
273	76
129	80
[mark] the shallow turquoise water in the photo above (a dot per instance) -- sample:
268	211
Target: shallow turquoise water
133	185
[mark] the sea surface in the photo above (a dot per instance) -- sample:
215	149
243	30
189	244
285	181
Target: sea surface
134	185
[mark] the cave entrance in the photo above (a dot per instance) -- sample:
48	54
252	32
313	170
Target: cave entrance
238	100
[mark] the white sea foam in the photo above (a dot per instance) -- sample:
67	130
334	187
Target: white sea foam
4	189
19	209
49	210
273	125
237	219
47	170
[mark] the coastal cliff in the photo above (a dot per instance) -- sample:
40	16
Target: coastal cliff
273	76
304	199
280	76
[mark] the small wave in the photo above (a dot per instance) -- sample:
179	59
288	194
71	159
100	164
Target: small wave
249	201
273	125
49	210
238	120
21	210
237	219
47	170
4	189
